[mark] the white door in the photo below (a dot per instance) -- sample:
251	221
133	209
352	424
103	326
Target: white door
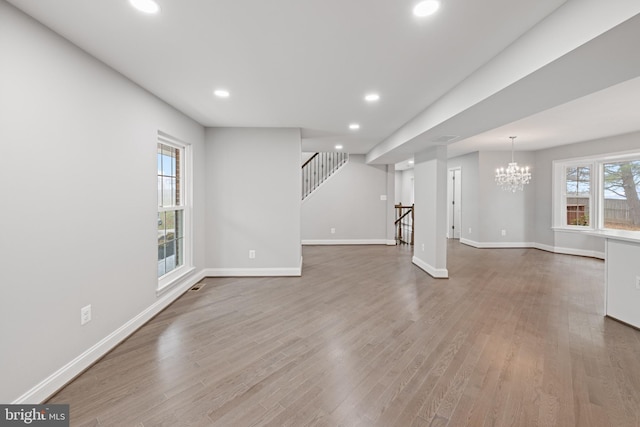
454	190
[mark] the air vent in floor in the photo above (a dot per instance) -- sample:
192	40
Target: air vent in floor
197	286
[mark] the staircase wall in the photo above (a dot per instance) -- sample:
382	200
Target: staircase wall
349	201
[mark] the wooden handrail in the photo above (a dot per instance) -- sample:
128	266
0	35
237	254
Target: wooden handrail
405	214
311	158
400	225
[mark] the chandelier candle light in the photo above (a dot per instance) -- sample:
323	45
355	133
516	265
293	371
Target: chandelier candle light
514	177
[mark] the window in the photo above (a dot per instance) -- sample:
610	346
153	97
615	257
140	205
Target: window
598	193
577	197
172	209
621	206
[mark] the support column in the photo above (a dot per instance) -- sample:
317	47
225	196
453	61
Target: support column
391	212
430	249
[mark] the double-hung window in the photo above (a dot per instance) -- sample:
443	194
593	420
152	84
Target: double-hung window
173	210
621	187
577	195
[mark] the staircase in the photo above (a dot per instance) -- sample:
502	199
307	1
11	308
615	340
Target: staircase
404	224
318	168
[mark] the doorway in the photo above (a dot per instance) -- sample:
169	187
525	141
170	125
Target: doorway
454	197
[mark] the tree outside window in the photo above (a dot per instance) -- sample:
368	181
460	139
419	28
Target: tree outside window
578	195
621	185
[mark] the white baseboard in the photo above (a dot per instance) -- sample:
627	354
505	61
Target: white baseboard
469	242
64	375
570	251
391	242
497	245
548	248
254	272
438	273
350	242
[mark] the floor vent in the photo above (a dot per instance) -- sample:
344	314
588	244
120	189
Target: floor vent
197	286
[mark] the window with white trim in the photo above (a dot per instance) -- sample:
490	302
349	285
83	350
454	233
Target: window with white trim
577	197
173	209
621	186
598	193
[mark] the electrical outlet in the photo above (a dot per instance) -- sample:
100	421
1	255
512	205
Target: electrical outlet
469	230
504	232
423	247
252	254
85	315
333	231
383	197
638	283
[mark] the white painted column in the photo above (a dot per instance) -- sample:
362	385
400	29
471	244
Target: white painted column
391	211
430	250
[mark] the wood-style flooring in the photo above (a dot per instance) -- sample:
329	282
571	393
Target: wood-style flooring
516	337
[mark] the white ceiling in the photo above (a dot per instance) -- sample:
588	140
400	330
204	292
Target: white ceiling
308	64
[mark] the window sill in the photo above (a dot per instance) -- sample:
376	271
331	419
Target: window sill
628	236
173	279
574	229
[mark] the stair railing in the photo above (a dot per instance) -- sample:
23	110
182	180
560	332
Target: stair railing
318	168
404	224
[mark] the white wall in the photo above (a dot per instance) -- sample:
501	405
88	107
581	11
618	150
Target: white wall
404	187
398	187
504	210
469	175
487	209
622	272
253	196
78	184
349	201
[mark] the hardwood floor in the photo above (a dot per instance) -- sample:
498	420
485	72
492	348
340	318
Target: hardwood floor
515	337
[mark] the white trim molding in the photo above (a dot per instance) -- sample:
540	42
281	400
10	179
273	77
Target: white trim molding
437	273
254	272
350	242
497	245
68	372
570	251
532	245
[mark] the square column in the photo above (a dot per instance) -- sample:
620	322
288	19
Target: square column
430	249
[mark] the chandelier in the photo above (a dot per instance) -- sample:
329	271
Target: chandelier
513	178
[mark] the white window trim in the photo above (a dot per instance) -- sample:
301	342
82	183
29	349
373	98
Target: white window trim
597	188
560	194
172	278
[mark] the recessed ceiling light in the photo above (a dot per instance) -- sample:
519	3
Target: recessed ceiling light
146	6
338	147
221	93
354	126
372	97
426	8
